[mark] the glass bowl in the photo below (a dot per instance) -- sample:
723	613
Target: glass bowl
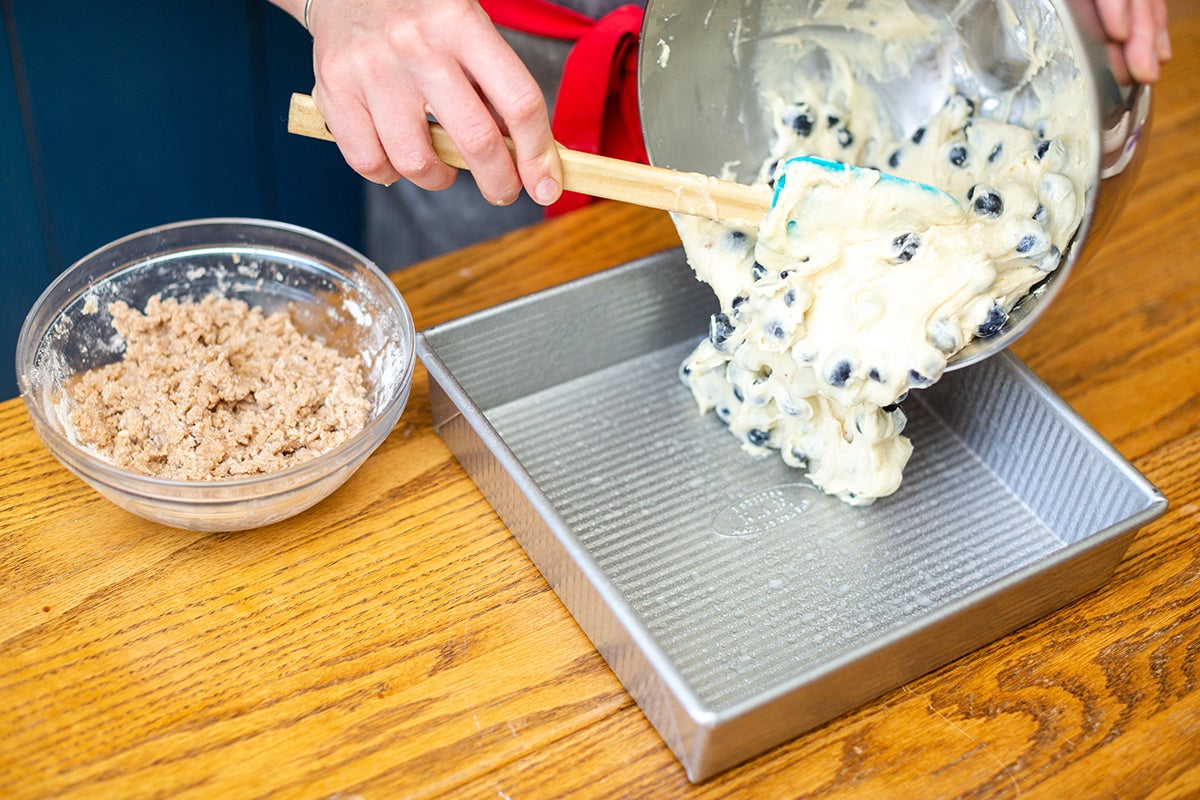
332	293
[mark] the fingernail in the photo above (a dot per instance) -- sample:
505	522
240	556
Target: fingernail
546	191
1164	46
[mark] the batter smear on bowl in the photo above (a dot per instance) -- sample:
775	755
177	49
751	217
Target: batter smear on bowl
215	390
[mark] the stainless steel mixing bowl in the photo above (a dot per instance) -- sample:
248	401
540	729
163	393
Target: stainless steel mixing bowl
703	111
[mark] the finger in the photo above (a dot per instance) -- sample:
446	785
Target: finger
515	100
1141	49
518	105
1116	58
457	105
1162	41
1114	17
398	114
354	131
536	153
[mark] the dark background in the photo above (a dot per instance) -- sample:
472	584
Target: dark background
121	115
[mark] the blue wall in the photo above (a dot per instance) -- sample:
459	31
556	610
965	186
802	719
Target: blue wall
119	115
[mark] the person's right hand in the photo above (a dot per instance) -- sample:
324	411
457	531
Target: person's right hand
382	65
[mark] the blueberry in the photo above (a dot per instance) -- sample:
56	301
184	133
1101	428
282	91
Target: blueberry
783	275
776	330
958	155
840	373
724	414
944	336
918	135
1040	148
845	138
738	301
789	297
987	203
917	379
800	456
996	151
968	102
801	121
875	376
737	239
719	330
758	271
758	437
906	245
1027	243
1050	261
1041	215
996	318
737	393
894	159
832	120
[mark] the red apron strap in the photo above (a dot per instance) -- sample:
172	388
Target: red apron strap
538	17
598	93
597	110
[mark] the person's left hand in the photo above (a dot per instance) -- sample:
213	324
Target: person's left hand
1138	43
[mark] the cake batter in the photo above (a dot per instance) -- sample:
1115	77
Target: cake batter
858	287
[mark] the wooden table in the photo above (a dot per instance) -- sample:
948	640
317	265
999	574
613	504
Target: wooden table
395	641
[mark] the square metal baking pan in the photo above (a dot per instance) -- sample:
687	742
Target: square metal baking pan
738	605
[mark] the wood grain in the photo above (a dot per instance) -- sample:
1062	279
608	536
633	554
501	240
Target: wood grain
396	642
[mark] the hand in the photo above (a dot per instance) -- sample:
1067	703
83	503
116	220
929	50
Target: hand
1137	34
381	67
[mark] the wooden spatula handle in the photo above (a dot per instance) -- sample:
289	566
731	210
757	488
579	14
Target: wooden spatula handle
599	176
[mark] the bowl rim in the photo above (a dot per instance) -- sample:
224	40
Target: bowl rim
361	444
